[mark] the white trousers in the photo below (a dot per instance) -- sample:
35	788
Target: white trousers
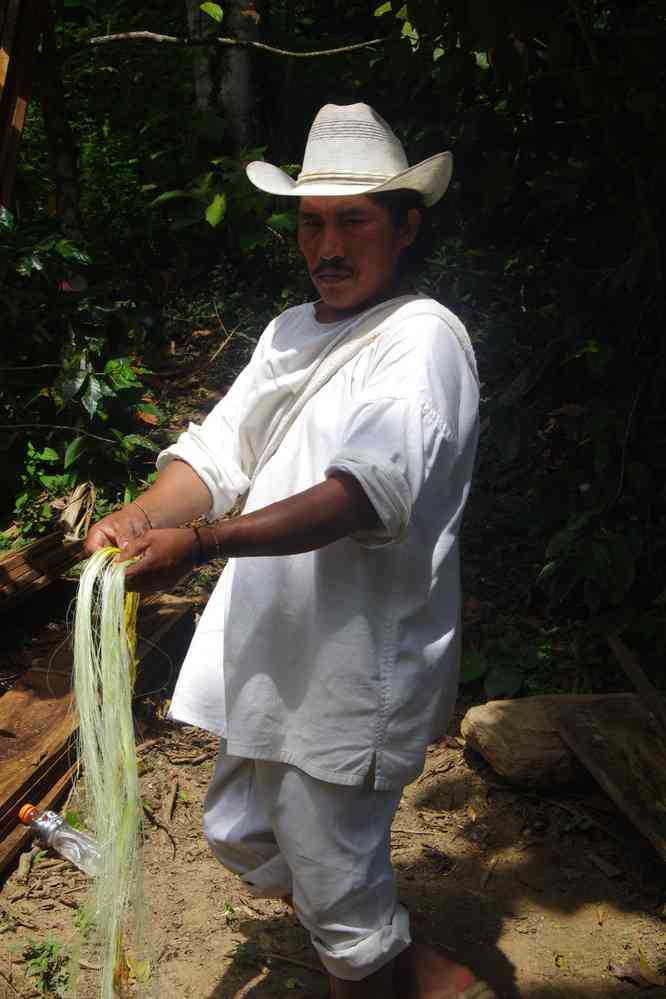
326	845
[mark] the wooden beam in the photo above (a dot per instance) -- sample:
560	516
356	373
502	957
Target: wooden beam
21	30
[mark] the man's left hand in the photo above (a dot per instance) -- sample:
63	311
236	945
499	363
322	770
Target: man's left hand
164	557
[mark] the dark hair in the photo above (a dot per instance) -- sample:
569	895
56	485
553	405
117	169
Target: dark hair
398	204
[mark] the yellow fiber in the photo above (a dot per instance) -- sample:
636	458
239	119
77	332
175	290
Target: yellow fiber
104	673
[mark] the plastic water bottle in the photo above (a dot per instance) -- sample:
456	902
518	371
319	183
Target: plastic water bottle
72	844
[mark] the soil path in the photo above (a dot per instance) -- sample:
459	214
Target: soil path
526	890
539	895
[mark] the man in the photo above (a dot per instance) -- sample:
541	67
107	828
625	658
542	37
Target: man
327	656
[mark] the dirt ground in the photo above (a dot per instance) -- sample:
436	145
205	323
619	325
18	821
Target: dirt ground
538	894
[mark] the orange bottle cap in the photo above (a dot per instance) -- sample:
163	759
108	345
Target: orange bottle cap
27	813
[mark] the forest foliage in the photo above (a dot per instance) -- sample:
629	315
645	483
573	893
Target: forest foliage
549	245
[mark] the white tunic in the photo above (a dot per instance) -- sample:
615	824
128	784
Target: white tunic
342	661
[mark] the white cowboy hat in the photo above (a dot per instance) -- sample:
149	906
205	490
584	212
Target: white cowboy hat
352	150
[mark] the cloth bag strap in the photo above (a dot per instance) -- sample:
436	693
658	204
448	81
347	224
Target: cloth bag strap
341	349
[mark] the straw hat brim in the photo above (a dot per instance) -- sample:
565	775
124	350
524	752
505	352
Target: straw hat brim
431	177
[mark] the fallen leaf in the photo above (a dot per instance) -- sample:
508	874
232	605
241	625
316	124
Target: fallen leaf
560	960
472	813
139	970
293	983
256	17
601	915
147	417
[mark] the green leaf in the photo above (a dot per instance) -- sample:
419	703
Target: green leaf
70	251
169	196
503	681
94	392
28	264
48	454
121	373
216	210
138	440
72	377
6	219
74	450
213	10
282	221
385	8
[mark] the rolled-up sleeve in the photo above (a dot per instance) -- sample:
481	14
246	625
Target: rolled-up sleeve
389	446
215	448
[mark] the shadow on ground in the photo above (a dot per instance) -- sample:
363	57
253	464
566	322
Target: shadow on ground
499	880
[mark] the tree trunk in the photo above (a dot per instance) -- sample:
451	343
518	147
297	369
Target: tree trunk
223	77
63	151
206	61
237	96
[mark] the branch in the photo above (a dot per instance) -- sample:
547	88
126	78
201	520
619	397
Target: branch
155	38
55	426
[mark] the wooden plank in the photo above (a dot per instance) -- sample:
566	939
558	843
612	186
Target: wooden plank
38	721
38	570
7	40
16	559
624	750
23	24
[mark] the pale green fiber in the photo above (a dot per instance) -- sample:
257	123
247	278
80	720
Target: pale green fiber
103	683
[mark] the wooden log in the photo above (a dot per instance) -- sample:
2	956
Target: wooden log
38	721
623	747
521	741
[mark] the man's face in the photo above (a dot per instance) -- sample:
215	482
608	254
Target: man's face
351	247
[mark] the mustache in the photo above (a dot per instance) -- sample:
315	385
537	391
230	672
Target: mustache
334	266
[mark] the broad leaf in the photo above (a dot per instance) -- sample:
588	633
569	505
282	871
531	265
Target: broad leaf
70	251
95	390
72	377
282	221
74	450
138	440
384	9
213	10
121	373
216	210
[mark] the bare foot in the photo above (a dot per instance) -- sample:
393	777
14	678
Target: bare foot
422	973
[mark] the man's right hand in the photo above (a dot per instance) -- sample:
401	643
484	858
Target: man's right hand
177	496
117	529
